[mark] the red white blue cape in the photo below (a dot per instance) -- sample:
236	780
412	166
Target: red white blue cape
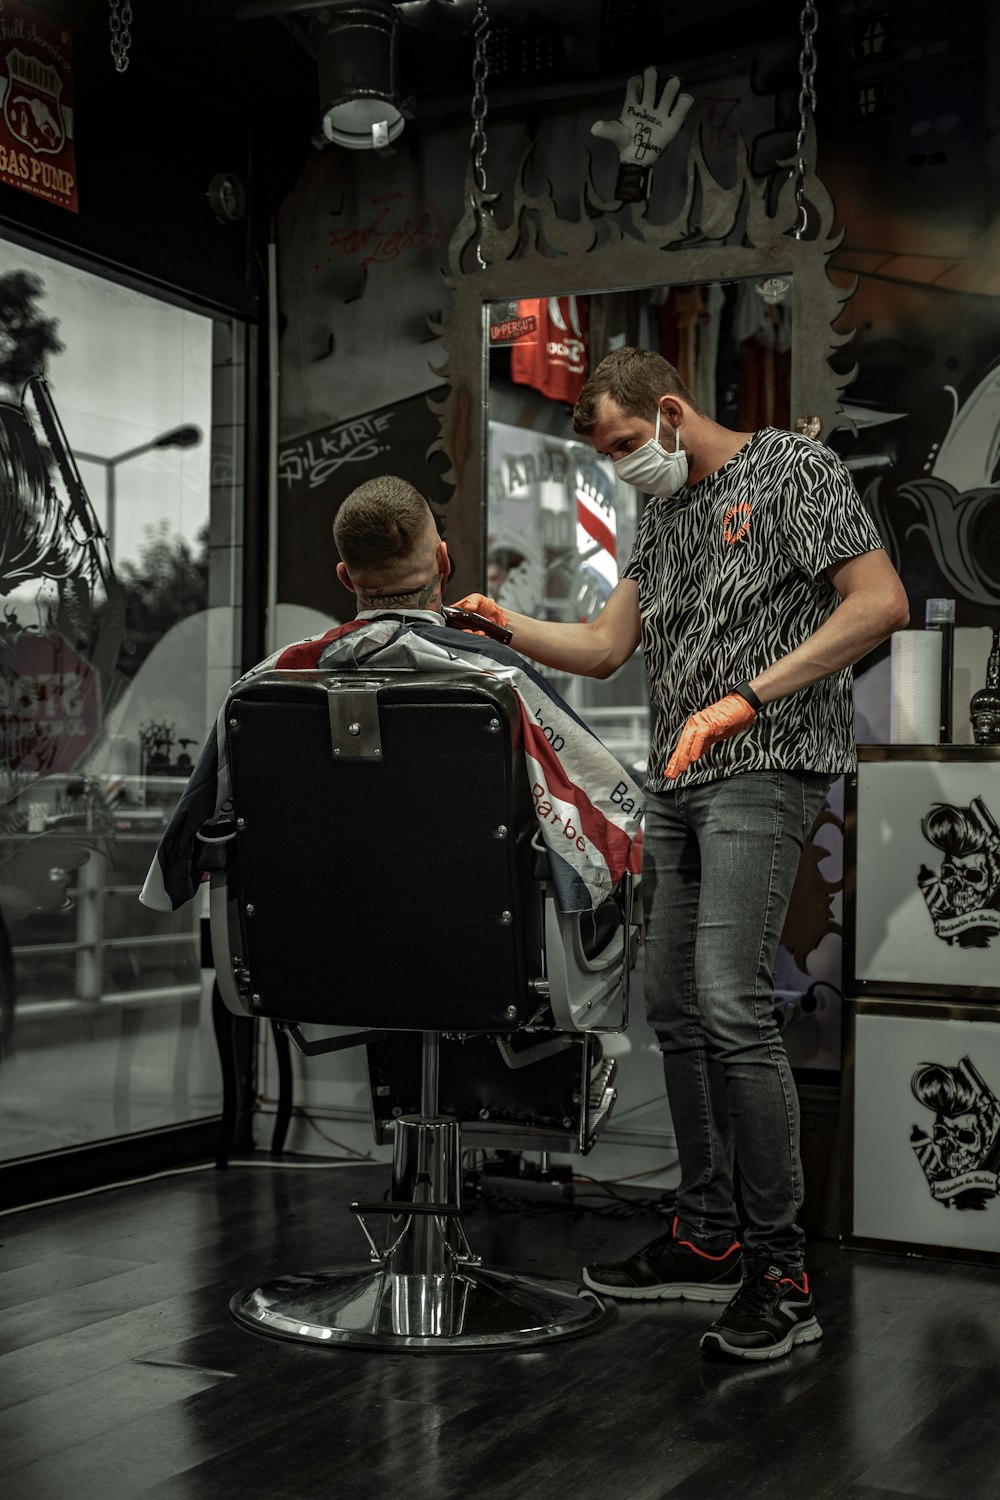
588	808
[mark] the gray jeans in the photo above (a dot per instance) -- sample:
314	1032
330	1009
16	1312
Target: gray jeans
718	870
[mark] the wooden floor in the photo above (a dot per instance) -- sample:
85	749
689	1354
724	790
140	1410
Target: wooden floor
121	1374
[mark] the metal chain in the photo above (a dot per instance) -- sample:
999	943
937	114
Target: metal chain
477	143
121	35
808	22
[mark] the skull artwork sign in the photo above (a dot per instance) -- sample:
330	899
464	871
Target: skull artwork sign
960	1153
963	897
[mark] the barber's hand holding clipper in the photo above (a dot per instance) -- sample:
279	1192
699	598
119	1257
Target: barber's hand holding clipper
719	721
478	608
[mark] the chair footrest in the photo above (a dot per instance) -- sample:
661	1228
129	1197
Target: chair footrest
439	1210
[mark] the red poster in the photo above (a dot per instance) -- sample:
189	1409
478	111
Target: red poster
36	118
52	713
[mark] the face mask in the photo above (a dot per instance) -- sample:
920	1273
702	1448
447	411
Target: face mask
652	469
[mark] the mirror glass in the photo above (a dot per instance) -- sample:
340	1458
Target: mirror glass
560	525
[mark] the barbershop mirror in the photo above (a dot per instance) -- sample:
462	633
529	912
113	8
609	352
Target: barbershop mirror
731	289
559	523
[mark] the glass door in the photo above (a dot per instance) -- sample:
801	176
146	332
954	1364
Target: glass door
121	506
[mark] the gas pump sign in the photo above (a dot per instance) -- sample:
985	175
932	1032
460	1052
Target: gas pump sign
36	105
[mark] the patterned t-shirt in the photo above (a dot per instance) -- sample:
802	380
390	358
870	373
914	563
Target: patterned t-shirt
731	577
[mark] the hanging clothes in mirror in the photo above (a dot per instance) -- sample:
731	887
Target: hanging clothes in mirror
552	356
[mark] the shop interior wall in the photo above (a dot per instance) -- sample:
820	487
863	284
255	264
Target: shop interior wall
907	144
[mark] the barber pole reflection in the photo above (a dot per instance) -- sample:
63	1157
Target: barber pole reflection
596	534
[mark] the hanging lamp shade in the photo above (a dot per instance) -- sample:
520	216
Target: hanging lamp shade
357	47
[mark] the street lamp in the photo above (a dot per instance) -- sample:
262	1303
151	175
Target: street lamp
177	437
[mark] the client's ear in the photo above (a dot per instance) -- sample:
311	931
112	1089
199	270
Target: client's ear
345	578
443	560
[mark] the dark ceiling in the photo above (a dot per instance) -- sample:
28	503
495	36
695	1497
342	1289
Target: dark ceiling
537	48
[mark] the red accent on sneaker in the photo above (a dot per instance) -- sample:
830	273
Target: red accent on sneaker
703	1253
803	1288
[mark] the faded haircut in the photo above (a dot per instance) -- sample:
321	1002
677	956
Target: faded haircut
380	523
633	378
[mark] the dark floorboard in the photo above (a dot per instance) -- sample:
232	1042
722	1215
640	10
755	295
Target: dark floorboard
122	1375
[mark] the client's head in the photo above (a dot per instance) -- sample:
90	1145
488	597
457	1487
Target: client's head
391	554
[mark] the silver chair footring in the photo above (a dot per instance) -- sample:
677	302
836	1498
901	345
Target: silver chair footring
425	1290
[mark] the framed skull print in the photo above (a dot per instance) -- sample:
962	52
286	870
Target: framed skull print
921	1163
922	878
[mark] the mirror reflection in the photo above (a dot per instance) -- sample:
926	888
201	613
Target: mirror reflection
560	525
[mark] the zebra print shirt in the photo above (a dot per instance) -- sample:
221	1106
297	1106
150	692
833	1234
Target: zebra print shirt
731	577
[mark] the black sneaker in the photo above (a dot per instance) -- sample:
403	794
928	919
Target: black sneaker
669	1268
770	1314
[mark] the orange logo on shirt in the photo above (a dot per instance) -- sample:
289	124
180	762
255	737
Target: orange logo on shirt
736	522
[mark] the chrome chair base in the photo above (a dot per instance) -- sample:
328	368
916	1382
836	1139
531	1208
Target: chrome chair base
425	1288
372	1307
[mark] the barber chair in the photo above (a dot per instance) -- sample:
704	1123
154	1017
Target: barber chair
382	870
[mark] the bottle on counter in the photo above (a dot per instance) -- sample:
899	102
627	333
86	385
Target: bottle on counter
984	709
939	615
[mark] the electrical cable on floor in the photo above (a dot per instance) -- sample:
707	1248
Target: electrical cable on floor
625	1207
621	1205
298	1113
621	1114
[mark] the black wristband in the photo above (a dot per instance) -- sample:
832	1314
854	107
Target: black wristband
747	693
632	183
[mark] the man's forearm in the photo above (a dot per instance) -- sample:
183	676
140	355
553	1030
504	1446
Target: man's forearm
582	648
595	648
855	628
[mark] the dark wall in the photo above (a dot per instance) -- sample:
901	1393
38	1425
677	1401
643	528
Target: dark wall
907	144
909	148
199	98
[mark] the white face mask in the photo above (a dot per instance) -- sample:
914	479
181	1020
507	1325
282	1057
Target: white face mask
652	469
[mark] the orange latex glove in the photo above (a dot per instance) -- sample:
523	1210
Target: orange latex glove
719	721
481	605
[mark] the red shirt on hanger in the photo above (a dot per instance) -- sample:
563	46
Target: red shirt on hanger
552	358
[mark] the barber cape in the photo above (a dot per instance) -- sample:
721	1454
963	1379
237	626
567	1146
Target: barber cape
588	808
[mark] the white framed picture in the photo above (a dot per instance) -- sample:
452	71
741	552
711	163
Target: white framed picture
922	891
922	1144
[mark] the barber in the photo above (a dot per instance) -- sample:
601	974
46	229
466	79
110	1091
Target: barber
756	581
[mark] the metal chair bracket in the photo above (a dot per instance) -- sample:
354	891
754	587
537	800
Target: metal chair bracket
328	1043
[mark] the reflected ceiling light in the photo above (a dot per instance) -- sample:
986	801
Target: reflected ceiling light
356	47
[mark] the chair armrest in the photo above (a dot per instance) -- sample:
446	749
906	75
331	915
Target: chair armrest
214	846
589	994
225	929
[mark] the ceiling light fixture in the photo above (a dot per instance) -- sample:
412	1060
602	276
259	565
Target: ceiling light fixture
357	48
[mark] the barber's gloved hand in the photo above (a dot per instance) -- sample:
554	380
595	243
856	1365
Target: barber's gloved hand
719	721
644	129
481	604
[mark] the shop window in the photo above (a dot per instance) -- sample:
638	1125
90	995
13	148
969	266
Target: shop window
871	37
121	466
870	99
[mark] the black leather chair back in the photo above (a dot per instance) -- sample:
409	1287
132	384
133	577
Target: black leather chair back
384	875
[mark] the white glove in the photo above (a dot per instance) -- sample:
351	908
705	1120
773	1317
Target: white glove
643	130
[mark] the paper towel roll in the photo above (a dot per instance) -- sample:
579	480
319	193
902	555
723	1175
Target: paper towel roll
915	707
